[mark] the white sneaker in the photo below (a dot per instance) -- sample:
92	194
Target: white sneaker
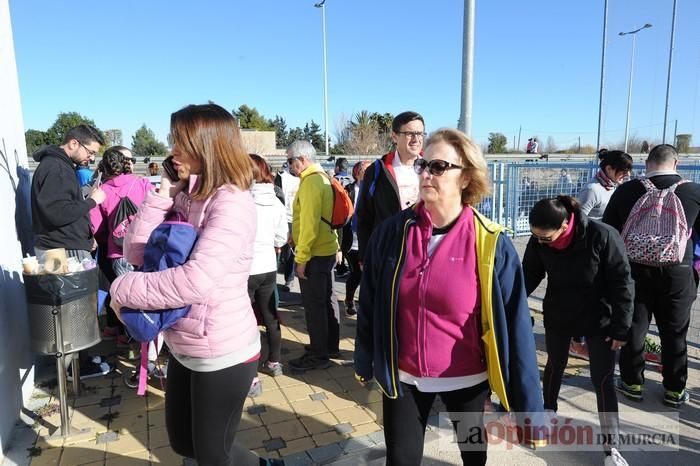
615	459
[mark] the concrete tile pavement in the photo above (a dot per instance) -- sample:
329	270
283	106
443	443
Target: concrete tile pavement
320	417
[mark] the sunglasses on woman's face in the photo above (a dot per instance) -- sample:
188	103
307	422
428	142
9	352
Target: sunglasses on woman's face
435	167
550	238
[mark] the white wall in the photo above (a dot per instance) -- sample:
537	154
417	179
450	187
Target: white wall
16	360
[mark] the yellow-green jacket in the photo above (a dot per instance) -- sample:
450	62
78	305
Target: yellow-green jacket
314	199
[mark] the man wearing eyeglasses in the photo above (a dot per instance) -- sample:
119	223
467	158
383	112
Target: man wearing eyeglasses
60	213
390	183
61	216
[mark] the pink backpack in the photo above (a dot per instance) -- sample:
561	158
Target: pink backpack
656	231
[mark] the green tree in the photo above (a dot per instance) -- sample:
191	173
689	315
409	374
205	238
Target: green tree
34	139
281	133
145	144
497	143
313	134
65	122
250	118
683	142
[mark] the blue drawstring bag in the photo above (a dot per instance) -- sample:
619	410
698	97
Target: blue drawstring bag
169	245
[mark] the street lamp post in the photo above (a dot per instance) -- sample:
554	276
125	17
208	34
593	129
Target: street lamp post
629	90
321	5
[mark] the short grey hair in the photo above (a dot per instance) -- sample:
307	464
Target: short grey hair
302	148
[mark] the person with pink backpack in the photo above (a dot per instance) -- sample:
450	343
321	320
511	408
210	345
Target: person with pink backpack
656	215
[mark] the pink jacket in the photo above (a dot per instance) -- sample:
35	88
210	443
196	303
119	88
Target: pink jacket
439	308
102	216
214	281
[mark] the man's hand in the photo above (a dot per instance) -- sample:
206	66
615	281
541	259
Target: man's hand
616	344
94	244
338	257
170	188
301	271
98	195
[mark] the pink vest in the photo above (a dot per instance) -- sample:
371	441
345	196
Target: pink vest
438	316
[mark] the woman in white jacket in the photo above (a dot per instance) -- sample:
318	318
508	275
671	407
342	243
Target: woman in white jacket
271	235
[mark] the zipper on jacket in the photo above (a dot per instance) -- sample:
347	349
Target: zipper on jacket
392	313
422	318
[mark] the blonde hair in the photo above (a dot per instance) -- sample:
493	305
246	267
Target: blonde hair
472	160
210	134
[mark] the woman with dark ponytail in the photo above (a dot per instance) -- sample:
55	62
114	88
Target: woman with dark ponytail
615	166
590	293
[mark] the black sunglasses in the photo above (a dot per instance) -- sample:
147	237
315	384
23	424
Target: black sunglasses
548	239
435	167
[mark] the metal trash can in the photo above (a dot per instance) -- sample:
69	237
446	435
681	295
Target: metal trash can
74	295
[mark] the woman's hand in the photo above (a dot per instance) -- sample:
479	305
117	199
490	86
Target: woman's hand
169	188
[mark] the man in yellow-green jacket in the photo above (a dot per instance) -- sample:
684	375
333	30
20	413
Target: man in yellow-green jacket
316	247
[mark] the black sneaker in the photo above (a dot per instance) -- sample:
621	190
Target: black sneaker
350	309
333	354
676	399
309	362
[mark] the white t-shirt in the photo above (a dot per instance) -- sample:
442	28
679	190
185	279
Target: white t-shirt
290	186
407	182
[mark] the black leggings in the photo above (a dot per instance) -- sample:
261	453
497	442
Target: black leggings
262	290
602	362
405	419
203	410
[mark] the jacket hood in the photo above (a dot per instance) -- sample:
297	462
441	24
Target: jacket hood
264	193
51	150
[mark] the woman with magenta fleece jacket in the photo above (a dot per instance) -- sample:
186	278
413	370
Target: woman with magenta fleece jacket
116	184
443	310
216	346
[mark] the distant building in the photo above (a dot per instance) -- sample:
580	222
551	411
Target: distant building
260	142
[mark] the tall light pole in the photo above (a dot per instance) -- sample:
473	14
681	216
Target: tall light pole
668	78
321	5
602	73
465	114
629	90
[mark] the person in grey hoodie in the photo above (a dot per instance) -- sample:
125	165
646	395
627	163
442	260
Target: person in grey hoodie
270	236
615	166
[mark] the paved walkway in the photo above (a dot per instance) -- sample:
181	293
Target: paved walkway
321	417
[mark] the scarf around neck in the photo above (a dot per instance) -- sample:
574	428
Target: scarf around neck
565	239
604	181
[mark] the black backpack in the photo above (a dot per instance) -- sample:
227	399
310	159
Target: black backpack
122	219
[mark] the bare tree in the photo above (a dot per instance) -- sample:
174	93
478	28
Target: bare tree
550	147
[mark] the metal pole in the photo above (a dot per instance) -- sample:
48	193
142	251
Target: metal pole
322	6
629	91
602	73
465	117
61	372
668	78
520	130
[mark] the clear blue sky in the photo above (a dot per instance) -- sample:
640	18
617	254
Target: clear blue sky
537	63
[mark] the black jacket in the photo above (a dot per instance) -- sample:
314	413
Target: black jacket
590	291
61	217
379	199
345	234
626	195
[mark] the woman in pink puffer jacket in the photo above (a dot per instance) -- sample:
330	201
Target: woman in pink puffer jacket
216	346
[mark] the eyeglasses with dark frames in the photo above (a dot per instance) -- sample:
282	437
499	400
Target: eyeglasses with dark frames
91	153
550	238
435	167
412	134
